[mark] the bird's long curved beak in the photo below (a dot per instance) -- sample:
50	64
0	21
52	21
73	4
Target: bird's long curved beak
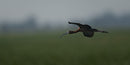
64	34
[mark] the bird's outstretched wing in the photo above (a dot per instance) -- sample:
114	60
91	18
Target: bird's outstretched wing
74	23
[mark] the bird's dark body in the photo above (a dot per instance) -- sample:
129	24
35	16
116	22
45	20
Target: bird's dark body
87	30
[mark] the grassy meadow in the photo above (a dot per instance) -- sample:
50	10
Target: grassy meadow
49	49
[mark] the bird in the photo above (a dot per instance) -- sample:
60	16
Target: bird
86	29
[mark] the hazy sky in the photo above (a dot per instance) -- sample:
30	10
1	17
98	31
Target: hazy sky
59	9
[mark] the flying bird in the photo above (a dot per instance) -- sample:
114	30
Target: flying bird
87	30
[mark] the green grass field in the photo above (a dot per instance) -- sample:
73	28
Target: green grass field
49	49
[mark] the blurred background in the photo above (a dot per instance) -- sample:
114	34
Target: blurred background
30	31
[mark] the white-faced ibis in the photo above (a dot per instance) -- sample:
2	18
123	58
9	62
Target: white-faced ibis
87	30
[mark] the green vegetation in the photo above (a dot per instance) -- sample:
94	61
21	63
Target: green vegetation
49	49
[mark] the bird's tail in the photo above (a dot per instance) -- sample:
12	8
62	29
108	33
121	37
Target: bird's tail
64	34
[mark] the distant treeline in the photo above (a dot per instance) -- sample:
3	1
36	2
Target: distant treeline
106	20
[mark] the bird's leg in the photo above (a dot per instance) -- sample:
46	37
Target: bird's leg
95	30
104	31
